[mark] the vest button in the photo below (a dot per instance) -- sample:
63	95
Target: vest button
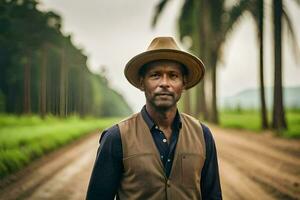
168	183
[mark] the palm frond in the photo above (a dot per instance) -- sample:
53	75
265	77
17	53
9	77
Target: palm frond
158	10
216	11
256	9
298	2
185	23
292	36
232	16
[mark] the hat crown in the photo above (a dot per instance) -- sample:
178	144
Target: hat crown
165	48
163	43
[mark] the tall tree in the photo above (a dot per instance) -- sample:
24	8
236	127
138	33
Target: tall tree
279	121
280	15
43	81
27	84
62	88
187	102
31	64
264	119
200	94
218	24
256	9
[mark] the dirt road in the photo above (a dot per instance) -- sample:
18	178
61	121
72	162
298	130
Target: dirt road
252	167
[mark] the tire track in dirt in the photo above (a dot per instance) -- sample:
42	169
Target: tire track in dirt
69	176
232	188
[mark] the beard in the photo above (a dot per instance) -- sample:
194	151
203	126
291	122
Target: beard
162	101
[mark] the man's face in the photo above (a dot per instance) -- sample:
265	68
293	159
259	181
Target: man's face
163	83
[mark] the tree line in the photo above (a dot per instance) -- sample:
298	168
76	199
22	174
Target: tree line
208	23
43	72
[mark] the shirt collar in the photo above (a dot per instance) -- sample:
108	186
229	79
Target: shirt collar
177	124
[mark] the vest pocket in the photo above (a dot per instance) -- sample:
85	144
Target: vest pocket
191	166
141	169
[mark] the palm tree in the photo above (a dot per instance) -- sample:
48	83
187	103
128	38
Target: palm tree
279	121
279	13
256	9
260	27
218	24
191	24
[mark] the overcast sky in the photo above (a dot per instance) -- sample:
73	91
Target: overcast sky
112	32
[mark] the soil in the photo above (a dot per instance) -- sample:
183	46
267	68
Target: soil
252	166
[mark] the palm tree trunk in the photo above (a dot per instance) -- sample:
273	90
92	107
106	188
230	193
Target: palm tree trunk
201	108
264	119
186	102
201	102
214	114
279	121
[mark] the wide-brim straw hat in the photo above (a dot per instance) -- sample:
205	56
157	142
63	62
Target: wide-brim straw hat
165	48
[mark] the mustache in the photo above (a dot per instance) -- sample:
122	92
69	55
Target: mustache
164	93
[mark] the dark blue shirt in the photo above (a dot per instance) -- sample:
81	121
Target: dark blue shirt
108	167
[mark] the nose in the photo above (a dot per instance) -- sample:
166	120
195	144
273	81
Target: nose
164	82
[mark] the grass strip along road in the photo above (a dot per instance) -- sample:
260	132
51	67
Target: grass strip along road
25	138
250	120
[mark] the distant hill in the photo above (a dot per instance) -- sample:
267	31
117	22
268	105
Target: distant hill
249	98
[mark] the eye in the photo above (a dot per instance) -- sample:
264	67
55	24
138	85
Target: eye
174	76
154	75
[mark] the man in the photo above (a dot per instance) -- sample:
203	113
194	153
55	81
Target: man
158	153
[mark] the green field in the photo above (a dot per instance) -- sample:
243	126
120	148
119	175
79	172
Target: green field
23	139
250	120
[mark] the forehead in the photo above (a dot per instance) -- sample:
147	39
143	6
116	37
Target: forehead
163	65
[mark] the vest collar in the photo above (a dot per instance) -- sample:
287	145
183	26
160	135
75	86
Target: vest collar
177	124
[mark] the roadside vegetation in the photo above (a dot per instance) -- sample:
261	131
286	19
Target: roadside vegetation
250	120
25	138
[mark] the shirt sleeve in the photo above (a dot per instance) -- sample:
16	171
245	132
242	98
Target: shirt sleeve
210	180
108	167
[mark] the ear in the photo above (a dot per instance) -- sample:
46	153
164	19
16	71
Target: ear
142	87
184	80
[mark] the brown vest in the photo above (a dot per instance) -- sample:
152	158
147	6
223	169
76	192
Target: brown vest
144	176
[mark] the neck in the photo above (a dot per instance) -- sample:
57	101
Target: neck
163	118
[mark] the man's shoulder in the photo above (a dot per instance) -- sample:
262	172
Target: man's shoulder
206	131
115	128
112	133
189	117
205	128
129	118
208	136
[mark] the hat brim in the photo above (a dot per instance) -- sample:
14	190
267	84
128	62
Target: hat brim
194	65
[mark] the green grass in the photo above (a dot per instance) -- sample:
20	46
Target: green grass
250	120
25	138
293	118
240	120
